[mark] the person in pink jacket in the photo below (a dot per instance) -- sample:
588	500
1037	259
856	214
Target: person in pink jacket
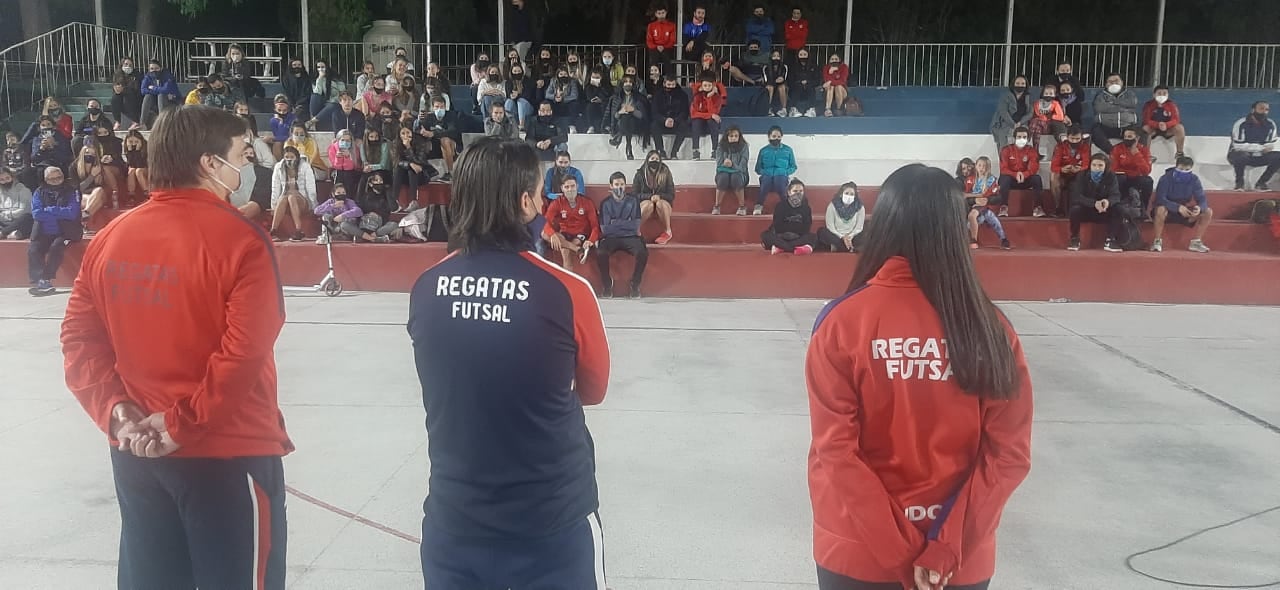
344	159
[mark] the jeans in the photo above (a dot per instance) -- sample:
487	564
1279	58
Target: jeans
44	256
632	245
829	239
324	118
1241	160
402	177
987	218
705	127
594	114
521	108
153	104
772	184
680	129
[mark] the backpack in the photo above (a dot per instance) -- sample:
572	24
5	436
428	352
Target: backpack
1262	210
1130	236
852	106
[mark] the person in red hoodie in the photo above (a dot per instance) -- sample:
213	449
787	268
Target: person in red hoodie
704	111
920	402
1020	170
1161	118
795	33
573	227
1070	158
1131	162
661	40
168	345
835	83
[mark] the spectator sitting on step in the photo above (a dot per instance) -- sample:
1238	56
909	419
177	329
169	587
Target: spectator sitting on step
545	136
387	122
1131	162
731	168
563	167
514	59
630	113
56	210
346	116
326	94
835	84
479	70
611	66
1253	144
1020	170
653	84
620	231
1070	158
375	153
301	140
373	99
159	90
1014	111
660	40
753	63
965	174
577	69
298	85
792	227
410	155
1161	118
253	198
368	74
281	123
1180	199
656	190
544	69
408	102
981	194
239	75
499	124
431	88
242	111
596	95
775	164
441	128
563	93
399	71
90	178
48	148
761	28
573	227
491	90
1047	116
1065	75
111	149
670	110
93	118
844	220
336	213
126	95
375	224
434	71
1095	198
806	78
1115	109
15	159
631	70
15	207
293	193
137	183
62	121
344	159
219	95
521	96
1072	102
777	79
704	112
795	32
196	96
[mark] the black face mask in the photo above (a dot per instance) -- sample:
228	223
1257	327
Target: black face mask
775	142
517	75
95	112
1064	77
482	64
377	189
299	70
1019	89
544	119
564	79
1130	142
203	90
1066	95
628	88
777	60
654	165
1260	116
754	51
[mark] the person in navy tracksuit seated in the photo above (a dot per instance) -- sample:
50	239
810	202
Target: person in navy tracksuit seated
620	220
513	495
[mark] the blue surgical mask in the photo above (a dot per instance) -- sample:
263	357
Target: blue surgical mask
439	113
1183	175
344	144
1096	176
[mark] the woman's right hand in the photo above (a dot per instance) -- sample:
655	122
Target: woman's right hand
416	168
728	162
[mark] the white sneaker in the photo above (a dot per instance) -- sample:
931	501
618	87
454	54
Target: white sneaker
1198	246
811	112
322	240
1038	212
759	210
782	112
795	112
1157	245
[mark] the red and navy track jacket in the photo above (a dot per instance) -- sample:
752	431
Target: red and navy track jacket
905	468
509	348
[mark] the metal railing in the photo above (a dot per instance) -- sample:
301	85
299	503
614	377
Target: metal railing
48	65
262	54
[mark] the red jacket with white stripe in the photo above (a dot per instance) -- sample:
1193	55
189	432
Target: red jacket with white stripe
905	468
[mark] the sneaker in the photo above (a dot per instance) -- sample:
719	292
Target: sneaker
1157	245
42	288
634	293
591	130
827	113
297	237
794	112
276	237
759	210
1004	211
382	240
663	239
1005	245
1111	246
615	141
1198	246
697	155
323	240
311	125
606	292
803	250
742	211
715	210
1178	155
1239	186
774	250
446	178
1038	212
973	245
1262	187
1074	244
811	112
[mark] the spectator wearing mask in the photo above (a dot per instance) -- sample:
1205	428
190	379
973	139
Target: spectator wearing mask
1253	145
544	69
90	177
760	28
1096	198
52	108
492	89
15	207
524	27
754	62
835	84
596	95
126	95
55	209
731	168
573	227
1013	111
15	158
563	167
196	96
671	111
564	93
577	69
630	112
410	154
1047	116
981	192
620	219
238	74
293	193
1020	170
653	84
368	73
704	113
374	224
1070	158
435	71
1072	102
431	88
408	102
93	119
660	39
775	164
521	95
373	99
137	181
388	122
1115	109
219	95
777	77
375	153
344	159
242	111
610	66
48	148
697	33
1180	199
803	84
1161	118
111	148
442	131
795	32
281	123
656	190
1064	75
298	86
326	93
159	90
306	145
499	124
346	116
844	220
253	198
336	213
791	230
1131	162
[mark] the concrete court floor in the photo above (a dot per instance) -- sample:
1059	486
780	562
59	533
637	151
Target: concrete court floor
702	445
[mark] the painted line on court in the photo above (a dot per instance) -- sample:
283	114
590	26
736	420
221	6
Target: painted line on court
373	524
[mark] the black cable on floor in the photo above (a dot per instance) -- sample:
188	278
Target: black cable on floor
1128	561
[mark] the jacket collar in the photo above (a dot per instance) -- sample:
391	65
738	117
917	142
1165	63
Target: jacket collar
193	194
896	272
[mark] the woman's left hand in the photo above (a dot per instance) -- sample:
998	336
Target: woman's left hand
930	580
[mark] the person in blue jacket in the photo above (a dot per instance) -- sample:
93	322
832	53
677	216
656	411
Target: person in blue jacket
564	166
760	28
620	220
775	165
158	90
55	207
696	33
1180	199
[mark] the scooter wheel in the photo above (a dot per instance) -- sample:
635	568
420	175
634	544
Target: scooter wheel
333	288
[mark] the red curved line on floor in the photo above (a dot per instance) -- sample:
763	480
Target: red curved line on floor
351	515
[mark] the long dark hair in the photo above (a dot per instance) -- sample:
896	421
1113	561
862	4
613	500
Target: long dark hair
489	184
918	216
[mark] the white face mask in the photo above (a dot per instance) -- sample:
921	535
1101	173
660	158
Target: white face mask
608	61
571	194
127	69
1115	88
1020	142
848	199
1160	99
239	177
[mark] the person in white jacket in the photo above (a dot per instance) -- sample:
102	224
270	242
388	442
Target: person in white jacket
293	193
844	220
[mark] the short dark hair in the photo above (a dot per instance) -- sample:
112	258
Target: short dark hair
438	99
616	176
1075	130
345	94
155	62
1160	87
1116	74
564	153
215	77
486	208
794	182
1102	158
707	77
1184	161
288	149
1255	104
774	128
545	103
185	134
1134	128
1021	129
565	178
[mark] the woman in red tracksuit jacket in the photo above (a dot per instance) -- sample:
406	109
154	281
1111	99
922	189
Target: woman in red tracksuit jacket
921	406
